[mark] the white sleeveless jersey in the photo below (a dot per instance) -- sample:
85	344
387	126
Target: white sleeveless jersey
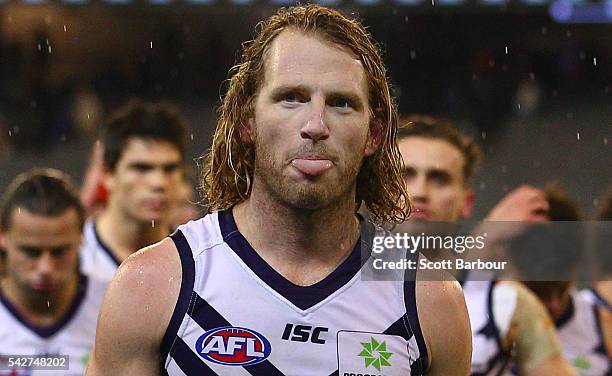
488	357
581	338
73	335
237	316
96	257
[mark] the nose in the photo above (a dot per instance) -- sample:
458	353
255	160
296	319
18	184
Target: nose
417	188
45	264
159	180
316	127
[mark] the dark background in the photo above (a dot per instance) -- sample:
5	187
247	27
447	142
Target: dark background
534	92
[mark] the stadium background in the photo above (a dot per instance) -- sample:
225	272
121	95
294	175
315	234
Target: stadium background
531	79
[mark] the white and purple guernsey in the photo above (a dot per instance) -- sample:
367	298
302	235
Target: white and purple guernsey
71	336
96	258
236	315
581	335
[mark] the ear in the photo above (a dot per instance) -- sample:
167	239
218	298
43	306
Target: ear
108	178
468	205
375	133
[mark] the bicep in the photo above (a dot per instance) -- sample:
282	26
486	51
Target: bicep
134	316
446	328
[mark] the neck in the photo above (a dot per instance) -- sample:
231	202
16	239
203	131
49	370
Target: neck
37	309
303	245
124	235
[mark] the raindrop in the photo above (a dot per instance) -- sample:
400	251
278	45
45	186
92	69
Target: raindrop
19	210
65	29
49	49
433	2
152	223
605	140
151	44
39	47
87	116
191	136
406	19
544	30
412	55
483	135
482	185
48	304
518	105
506	50
594	61
531	76
569	33
10	133
595	202
578	136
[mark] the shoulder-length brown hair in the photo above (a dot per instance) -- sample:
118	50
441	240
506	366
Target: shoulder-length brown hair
227	172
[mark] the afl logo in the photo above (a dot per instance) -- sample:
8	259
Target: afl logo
233	346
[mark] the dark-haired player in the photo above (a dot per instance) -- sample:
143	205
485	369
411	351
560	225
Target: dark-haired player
47	308
143	156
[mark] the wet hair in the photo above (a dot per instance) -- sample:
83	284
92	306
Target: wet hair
227	172
438	128
143	120
47	192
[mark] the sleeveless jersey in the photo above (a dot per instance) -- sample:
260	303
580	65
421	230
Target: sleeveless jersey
96	257
581	338
488	356
237	316
73	335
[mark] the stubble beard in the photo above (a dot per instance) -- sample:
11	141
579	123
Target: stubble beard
310	195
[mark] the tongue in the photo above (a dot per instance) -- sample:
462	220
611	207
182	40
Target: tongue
313	167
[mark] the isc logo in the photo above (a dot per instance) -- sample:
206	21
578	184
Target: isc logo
233	346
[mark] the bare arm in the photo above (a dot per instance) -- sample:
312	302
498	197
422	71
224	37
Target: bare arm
445	325
537	347
136	311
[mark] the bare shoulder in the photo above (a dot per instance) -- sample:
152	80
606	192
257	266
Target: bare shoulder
137	309
147	284
444	322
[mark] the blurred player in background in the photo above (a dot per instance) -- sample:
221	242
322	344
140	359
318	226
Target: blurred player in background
142	171
576	317
269	282
439	163
46	306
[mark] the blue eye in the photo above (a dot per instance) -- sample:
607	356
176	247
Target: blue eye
290	97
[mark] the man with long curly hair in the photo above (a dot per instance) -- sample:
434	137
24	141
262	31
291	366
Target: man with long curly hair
268	283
